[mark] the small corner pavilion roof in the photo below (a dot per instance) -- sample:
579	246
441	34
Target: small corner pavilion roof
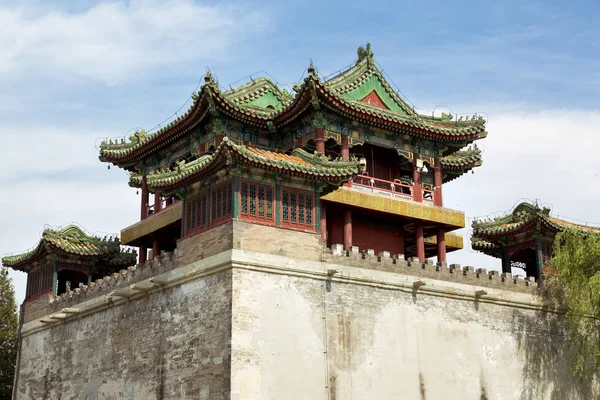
460	163
72	241
299	163
489	236
360	92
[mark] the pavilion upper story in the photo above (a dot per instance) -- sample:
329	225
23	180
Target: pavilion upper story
395	161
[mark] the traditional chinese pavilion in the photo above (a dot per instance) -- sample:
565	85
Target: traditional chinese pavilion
345	158
523	238
66	258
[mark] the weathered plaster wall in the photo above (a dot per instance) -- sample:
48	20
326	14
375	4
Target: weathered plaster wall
35	308
383	343
173	344
244	325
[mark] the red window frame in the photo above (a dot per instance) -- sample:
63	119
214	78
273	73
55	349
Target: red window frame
37	282
196	216
298	209
221	205
257	202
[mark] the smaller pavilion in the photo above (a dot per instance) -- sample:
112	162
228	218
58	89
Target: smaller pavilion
523	238
66	258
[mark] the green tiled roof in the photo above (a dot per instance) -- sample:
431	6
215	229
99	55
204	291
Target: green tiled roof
259	93
460	163
314	166
488	235
523	215
462	159
71	240
260	103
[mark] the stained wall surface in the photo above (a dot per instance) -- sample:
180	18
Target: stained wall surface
174	344
267	326
300	338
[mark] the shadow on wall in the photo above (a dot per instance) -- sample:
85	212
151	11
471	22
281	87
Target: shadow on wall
543	343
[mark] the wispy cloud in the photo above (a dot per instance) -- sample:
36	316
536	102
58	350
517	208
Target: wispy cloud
115	42
46	150
544	155
103	207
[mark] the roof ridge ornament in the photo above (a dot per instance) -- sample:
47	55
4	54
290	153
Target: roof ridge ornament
364	53
208	77
311	68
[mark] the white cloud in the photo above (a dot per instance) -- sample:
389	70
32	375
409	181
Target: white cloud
547	155
27	207
115	42
47	150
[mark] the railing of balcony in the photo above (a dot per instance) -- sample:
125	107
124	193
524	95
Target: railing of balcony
395	188
165	203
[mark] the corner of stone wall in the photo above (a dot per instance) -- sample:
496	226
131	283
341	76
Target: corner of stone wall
384	261
205	244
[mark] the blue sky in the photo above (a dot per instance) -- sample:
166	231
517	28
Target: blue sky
76	71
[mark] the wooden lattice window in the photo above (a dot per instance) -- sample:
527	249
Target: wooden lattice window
33	284
46	278
257	201
195	215
297	208
221	203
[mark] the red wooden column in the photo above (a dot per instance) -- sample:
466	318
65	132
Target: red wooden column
441	245
157	208
144	215
345	148
401	240
145	198
324	222
155	248
346	155
347	230
320	140
437	181
143	254
420	240
218	140
157	202
417	192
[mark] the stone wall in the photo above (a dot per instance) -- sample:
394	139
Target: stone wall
297	337
174	344
279	241
254	312
231	235
36	308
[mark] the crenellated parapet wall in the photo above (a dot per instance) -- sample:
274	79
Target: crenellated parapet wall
297	245
112	283
384	261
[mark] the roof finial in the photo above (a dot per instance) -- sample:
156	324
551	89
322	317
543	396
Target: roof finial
365	52
311	68
208	76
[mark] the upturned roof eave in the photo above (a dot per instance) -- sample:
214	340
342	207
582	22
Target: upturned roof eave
301	102
170	182
51	242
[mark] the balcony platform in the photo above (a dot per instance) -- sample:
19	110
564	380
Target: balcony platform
164	219
395	203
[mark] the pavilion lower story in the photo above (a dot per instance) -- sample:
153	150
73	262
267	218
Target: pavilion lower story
372	230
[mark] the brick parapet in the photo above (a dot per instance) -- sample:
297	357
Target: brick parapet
117	280
441	271
269	240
